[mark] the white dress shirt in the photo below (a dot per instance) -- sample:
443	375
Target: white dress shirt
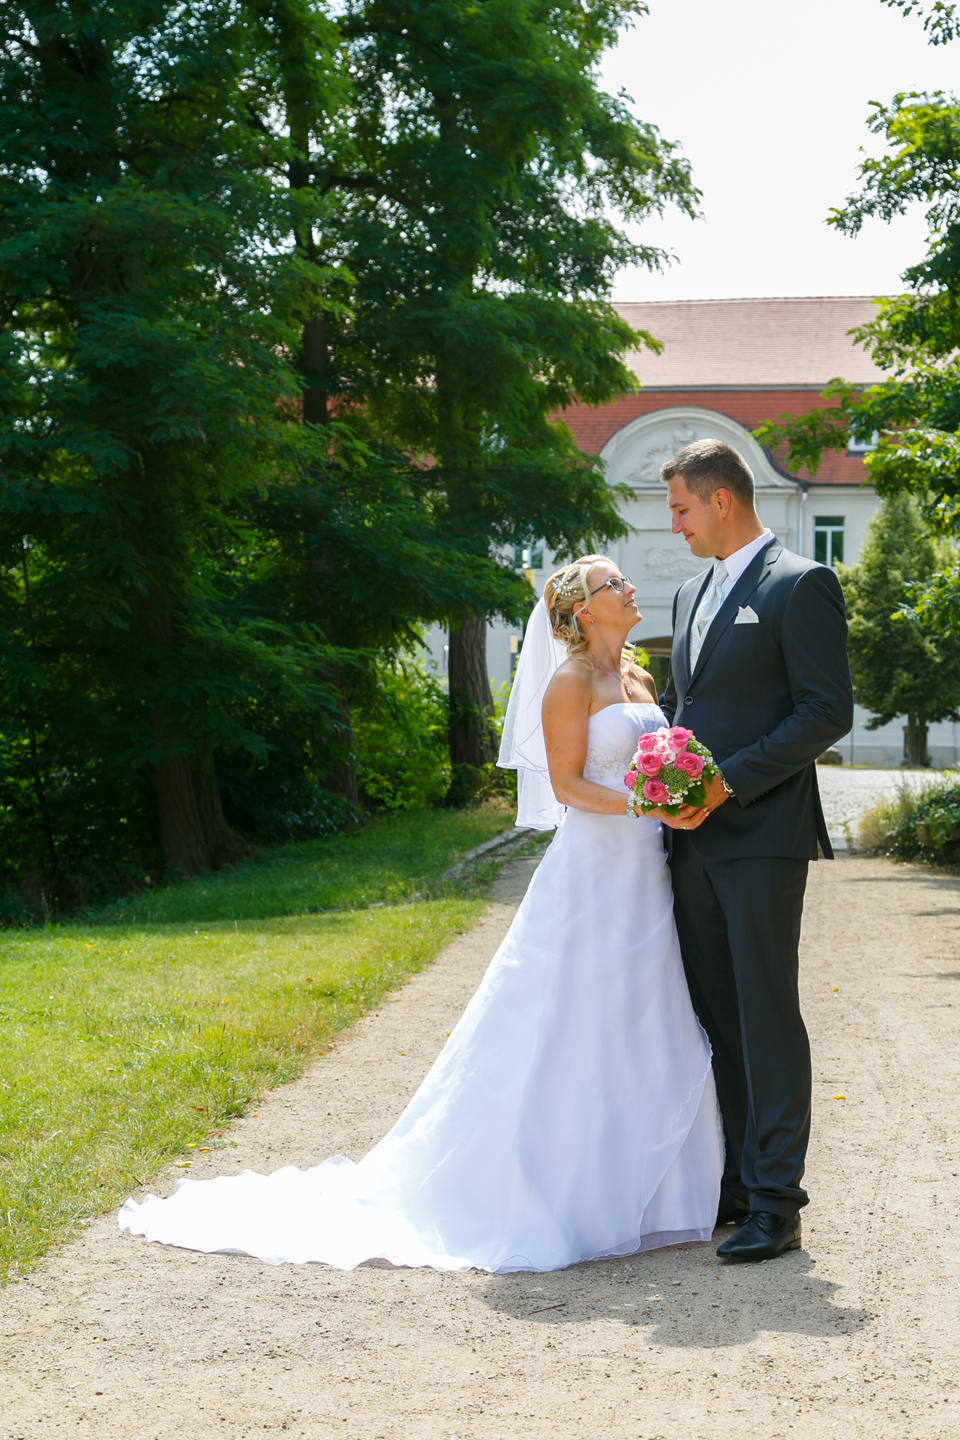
740	559
735	566
726	573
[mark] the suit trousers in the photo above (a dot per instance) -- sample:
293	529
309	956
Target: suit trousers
739	927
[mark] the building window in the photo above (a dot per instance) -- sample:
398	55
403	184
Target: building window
528	555
828	539
862	447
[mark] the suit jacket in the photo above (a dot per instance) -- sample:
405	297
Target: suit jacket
767	698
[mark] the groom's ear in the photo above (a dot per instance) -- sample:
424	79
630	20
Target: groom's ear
722	501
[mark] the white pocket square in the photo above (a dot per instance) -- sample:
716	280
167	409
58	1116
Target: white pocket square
746	616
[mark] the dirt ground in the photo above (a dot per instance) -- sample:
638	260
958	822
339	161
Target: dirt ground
856	1335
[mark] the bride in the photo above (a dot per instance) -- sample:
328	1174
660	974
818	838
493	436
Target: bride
572	1112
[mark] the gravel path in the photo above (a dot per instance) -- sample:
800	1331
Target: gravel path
853	1336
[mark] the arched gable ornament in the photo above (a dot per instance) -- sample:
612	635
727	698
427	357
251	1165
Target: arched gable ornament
634	455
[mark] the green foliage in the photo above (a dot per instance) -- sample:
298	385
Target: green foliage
150	305
484	168
489	162
939	18
916	412
658	667
403	759
185	571
129	1040
290	295
899	666
917	824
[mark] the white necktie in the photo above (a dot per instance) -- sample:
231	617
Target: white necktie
708	607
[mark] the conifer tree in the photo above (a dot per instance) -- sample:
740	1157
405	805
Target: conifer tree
155	484
140	372
899	666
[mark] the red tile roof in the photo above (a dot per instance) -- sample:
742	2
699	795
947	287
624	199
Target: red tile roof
593	426
750	359
778	342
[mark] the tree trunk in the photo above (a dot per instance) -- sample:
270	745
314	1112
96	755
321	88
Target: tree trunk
224	845
34	749
471	711
315	371
922	747
181	828
343	780
42	801
916	753
316	412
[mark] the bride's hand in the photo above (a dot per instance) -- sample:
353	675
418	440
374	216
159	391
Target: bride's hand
688	818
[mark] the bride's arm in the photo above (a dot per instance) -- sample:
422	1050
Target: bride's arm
566	718
566	715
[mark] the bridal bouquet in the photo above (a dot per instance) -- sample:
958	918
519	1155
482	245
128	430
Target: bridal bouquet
670	769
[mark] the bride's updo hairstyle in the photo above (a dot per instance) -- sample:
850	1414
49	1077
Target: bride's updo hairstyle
565	589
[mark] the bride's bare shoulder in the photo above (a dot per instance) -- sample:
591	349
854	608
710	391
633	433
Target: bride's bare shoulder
570	685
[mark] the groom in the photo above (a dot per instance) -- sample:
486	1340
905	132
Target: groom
759	673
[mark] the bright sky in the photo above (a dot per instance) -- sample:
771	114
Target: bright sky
769	99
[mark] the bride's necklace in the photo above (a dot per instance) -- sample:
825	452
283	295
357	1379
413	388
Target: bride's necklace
614	675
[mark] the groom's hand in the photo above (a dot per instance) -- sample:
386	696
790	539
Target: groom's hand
715	794
688	818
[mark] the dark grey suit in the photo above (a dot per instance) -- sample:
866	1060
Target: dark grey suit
768	698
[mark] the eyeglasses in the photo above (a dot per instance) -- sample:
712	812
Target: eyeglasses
616	582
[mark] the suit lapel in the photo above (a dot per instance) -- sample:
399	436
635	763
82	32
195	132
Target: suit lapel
750	581
686	610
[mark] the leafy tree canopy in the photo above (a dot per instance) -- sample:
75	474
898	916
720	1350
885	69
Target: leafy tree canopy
291	295
160	603
485	165
915	414
939	18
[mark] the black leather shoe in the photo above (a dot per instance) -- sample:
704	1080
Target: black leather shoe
762	1236
731	1211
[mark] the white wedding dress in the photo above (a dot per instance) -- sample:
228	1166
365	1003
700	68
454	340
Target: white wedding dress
570	1115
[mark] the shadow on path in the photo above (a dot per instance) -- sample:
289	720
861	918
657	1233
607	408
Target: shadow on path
683	1297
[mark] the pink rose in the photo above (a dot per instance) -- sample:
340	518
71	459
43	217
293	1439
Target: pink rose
647	742
630	779
650	764
656	792
691	765
679	736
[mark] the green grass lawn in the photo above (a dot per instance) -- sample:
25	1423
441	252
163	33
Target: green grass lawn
132	1037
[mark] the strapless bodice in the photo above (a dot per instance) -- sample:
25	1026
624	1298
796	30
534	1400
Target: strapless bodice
612	740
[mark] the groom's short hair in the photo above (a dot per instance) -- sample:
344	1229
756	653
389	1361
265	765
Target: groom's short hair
709	465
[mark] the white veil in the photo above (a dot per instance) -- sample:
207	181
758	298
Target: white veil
522	745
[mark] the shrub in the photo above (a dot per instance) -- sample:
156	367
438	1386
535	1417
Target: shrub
402	753
917	824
